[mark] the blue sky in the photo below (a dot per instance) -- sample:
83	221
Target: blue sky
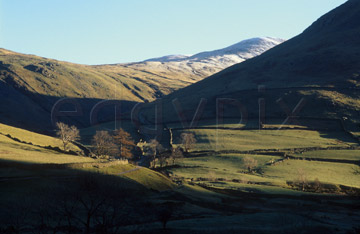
116	31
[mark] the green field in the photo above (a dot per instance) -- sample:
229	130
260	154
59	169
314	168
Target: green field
229	166
352	155
33	149
14	151
333	173
224	170
33	152
214	162
32	137
243	140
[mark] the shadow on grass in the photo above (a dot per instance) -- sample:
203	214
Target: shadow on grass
33	111
61	198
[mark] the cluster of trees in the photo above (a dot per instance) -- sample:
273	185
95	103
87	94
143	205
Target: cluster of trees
157	153
119	144
115	144
154	151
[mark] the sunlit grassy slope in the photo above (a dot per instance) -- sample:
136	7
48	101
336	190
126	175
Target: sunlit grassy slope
62	79
218	157
231	167
352	155
120	81
13	151
150	179
25	146
242	140
32	138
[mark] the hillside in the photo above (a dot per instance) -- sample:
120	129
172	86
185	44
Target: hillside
321	65
22	146
31	85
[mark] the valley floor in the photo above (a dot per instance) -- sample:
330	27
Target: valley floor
305	181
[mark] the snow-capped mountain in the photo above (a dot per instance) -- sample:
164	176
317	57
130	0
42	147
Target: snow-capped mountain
233	54
187	69
169	58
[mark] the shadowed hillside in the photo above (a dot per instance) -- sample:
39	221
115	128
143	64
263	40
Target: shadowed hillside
321	65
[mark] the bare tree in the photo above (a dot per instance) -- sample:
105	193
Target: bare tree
176	154
188	140
67	134
104	144
125	142
250	163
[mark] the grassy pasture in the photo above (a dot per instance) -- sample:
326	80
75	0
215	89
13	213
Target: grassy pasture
32	137
333	173
229	166
150	179
227	170
199	205
15	151
243	140
18	152
271	123
353	155
32	151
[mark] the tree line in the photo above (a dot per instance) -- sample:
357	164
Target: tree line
119	144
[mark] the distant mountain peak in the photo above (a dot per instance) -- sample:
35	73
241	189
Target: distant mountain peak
168	58
227	56
256	41
243	50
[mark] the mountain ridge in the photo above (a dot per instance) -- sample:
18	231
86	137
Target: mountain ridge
35	84
324	56
260	44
